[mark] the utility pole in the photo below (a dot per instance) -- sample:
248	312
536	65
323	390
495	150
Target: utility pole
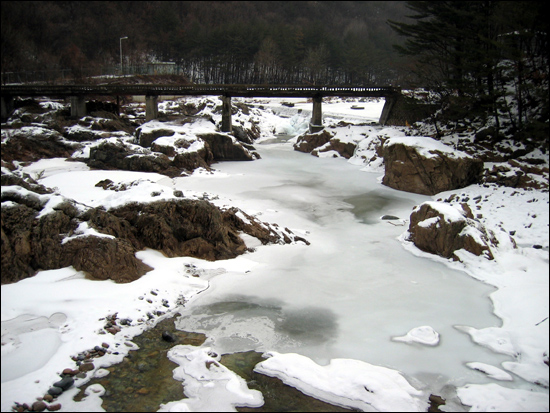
121	39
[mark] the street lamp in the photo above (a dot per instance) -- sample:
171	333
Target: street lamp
121	39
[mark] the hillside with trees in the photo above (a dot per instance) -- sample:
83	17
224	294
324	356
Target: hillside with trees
214	42
485	60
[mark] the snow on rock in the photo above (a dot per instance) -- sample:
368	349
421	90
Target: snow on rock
345	382
426	166
425	146
423	335
439	228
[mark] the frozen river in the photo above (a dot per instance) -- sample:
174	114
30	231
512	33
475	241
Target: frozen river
349	292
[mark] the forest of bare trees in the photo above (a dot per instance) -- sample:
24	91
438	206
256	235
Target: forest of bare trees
479	57
213	42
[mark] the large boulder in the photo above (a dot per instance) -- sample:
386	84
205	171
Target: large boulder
38	236
338	148
225	147
43	231
32	143
307	142
324	142
110	156
439	228
147	136
426	166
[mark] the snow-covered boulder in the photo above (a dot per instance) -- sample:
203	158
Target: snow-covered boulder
307	142
425	166
424	335
439	228
323	143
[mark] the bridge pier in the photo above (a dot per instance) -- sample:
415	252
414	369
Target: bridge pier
226	114
386	110
78	106
316	123
151	107
7	106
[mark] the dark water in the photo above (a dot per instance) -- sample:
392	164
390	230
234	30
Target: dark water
278	397
370	206
143	380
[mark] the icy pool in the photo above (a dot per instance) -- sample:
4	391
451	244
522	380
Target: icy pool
349	292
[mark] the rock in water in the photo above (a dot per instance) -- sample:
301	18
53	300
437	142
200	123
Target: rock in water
167	336
423	335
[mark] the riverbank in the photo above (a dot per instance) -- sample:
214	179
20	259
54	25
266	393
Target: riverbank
344	296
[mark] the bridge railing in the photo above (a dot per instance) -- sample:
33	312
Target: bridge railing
196	90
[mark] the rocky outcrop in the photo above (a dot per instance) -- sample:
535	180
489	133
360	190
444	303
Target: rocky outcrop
36	236
246	135
32	242
225	148
307	142
439	228
425	166
30	144
147	136
344	149
109	155
324	141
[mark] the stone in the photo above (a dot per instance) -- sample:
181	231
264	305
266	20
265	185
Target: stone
307	142
441	229
65	383
167	336
435	402
54	407
344	149
428	169
38	406
86	367
225	147
147	136
55	391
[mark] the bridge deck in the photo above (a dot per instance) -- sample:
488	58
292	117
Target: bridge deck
198	90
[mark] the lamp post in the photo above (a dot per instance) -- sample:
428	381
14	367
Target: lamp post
121	39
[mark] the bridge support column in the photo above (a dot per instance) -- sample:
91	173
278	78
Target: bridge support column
386	110
151	107
316	123
226	114
78	106
7	106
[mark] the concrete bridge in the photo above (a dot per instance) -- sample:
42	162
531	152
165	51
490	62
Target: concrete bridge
78	94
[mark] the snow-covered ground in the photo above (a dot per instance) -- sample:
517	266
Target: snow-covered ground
360	317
